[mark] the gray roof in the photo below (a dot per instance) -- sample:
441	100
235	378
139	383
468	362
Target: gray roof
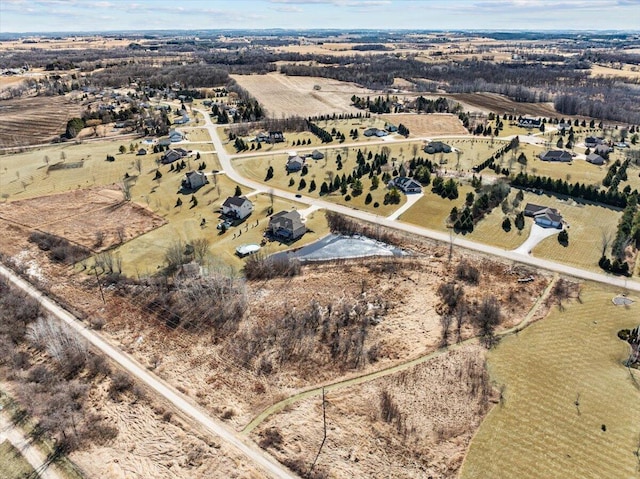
235	201
556	155
595	159
287	220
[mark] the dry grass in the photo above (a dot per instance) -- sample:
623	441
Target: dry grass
428	125
30	121
420	431
295	96
570	356
492	102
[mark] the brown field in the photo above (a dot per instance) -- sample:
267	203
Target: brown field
295	96
30	121
500	104
428	125
626	72
79	214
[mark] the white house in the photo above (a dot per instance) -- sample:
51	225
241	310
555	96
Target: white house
237	207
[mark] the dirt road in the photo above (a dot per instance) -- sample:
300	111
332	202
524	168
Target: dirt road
181	402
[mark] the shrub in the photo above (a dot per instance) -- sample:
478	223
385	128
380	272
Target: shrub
467	272
120	383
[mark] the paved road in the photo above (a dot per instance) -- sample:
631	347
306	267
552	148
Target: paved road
226	164
181	402
31	453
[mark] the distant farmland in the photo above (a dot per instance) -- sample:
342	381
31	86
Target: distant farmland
31	121
291	95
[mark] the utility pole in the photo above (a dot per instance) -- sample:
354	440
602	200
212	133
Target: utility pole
324	435
99	285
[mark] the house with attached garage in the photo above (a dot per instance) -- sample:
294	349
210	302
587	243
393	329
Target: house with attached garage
595	159
530	122
173	155
175	136
286	225
437	147
237	207
556	155
194	180
407	185
544	216
294	163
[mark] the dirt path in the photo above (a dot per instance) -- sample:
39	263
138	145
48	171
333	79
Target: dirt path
317	391
32	454
260	458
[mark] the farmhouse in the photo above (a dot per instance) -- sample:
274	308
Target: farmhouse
437	147
407	185
294	163
530	122
194	180
286	225
543	215
595	159
556	155
237	207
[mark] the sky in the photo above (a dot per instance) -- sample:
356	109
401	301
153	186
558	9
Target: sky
112	15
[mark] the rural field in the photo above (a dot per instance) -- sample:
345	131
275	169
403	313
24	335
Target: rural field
31	121
296	96
570	408
434	124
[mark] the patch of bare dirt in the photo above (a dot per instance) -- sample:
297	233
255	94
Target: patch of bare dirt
95	218
434	124
492	102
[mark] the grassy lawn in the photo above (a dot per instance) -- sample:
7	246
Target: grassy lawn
586	226
473	151
431	211
199	134
318	171
12	464
489	229
539	431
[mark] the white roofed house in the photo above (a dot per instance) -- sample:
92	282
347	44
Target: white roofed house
237	207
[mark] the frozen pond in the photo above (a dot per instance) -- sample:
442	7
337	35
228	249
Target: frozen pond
342	247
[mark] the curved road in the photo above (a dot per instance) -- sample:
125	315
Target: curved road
181	402
226	164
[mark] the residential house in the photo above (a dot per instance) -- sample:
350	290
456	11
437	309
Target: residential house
603	149
543	215
141	152
391	128
175	136
262	137
564	125
369	132
173	155
276	137
437	147
237	207
182	120
316	155
286	225
556	155
164	142
592	141
530	122
595	159
194	180
294	163
407	185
